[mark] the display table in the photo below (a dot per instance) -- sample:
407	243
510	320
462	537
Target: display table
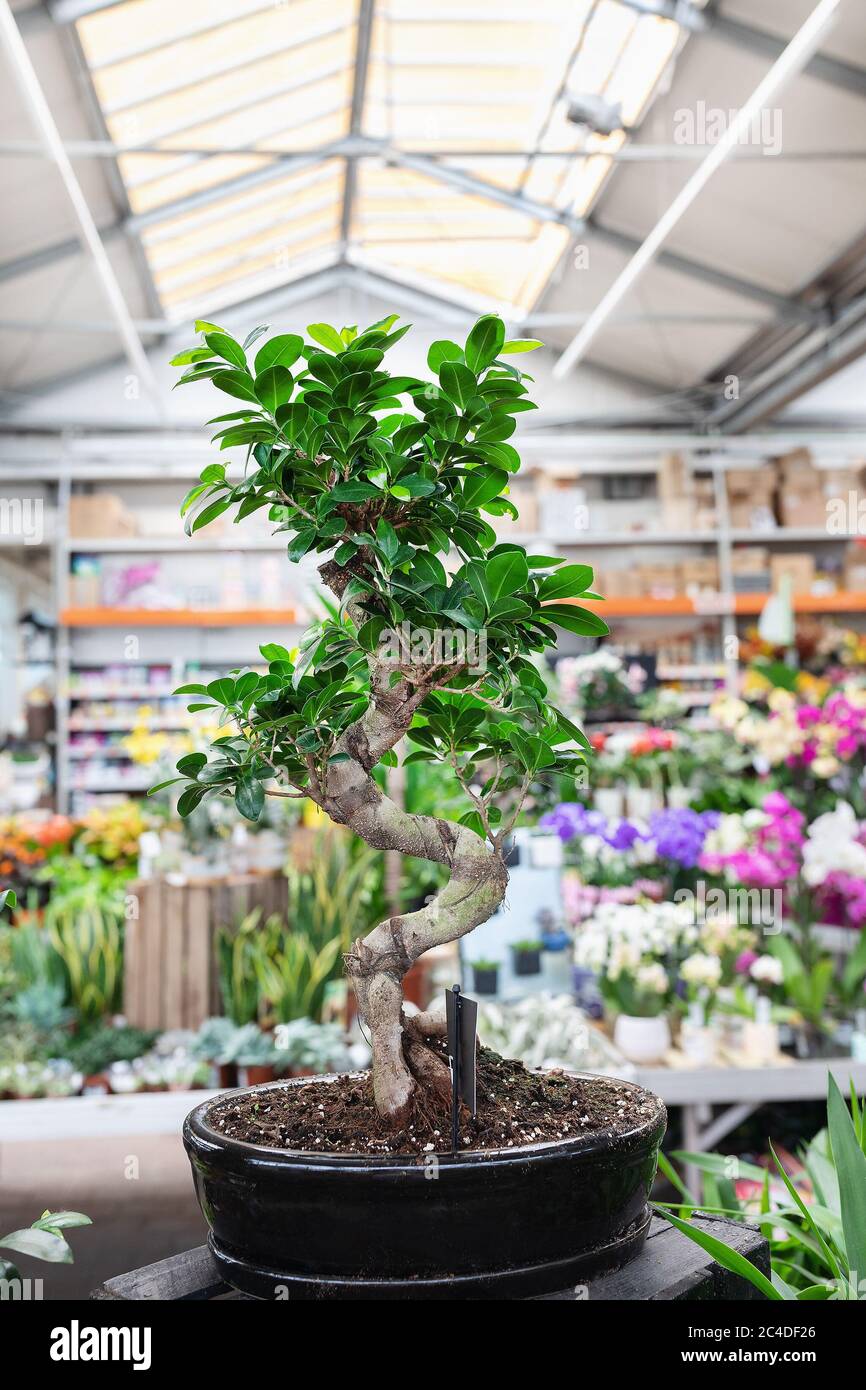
742	1090
670	1267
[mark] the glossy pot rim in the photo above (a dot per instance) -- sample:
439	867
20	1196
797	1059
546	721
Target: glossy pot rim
200	1138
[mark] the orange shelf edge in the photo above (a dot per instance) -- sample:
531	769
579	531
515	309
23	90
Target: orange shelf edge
744	605
176	617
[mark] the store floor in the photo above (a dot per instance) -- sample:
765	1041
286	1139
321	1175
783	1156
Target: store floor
137	1191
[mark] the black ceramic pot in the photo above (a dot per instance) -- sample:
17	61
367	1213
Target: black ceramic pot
527	962
484	981
505	1223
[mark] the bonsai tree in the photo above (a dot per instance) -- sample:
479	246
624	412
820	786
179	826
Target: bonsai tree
429	645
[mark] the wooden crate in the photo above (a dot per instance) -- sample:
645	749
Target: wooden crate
669	1268
169	969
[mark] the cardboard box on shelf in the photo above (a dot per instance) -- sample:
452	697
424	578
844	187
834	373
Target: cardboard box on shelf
806	506
701	572
838	482
752	514
855	569
618	583
750	559
562	510
751	482
678	514
706	519
659	581
799	464
674	478
100	515
799	568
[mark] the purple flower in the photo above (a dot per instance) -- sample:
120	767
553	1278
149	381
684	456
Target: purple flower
680	833
622	835
571	818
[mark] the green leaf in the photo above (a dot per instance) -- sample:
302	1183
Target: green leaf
293	419
191	764
326	336
850	1163
568	582
458	383
189	799
184	359
574	619
301	543
387	540
724	1255
226	347
272	651
235	384
482	485
250	798
273	387
484	342
507	573
281	351
443	350
808	1216
206	515
42	1245
160	786
61	1221
521	345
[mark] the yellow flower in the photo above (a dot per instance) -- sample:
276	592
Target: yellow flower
781	701
754	683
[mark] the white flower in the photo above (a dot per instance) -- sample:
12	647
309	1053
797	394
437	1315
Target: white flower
729	836
653	978
766	970
700	969
831	846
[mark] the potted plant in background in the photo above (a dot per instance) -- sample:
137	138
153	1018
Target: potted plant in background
485	976
526	956
389	481
256	1056
630	948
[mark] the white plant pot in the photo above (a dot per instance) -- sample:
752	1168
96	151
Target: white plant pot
608	801
679	798
642	1040
760	1042
699	1043
640	803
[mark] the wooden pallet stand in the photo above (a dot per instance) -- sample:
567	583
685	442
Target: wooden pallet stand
669	1268
170	973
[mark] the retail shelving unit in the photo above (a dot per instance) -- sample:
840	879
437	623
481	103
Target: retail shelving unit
213	638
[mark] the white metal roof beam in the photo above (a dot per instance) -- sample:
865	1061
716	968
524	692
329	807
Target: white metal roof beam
831	70
469	183
627	154
787	66
809	363
780	304
36	104
359	91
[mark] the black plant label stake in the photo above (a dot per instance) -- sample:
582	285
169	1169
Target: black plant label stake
461	1015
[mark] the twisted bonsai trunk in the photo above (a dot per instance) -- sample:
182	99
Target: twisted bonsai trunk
376	964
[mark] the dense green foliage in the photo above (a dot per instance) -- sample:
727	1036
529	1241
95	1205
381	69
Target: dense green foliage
389	479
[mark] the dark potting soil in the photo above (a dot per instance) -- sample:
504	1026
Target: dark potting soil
514	1107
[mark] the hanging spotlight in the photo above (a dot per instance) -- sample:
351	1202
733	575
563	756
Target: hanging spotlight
594	113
